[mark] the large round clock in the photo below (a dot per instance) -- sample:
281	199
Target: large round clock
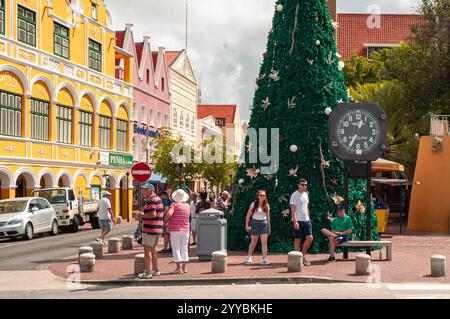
358	132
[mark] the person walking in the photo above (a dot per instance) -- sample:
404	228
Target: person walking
301	218
257	223
152	228
166	234
105	217
193	208
178	215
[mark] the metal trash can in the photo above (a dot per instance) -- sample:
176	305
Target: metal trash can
211	233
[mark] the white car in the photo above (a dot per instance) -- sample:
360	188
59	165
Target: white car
27	216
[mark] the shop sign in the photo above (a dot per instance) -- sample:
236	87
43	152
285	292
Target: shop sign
120	160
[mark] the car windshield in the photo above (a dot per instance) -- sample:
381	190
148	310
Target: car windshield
54	196
12	207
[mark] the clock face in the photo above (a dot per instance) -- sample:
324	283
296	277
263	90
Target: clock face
358	132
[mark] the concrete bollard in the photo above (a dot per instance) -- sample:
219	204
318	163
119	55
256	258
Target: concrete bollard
127	242
97	249
139	264
438	266
113	245
295	261
362	264
219	262
119	220
87	262
84	250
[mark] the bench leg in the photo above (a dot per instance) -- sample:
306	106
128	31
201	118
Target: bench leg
345	253
389	253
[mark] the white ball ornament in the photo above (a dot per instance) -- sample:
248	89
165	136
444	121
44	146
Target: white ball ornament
241	181
328	111
341	65
294	148
317	42
280	8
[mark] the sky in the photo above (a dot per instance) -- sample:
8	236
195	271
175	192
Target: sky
226	38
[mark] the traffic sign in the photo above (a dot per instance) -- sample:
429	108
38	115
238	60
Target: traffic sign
141	172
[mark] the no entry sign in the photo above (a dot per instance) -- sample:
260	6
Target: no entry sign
141	172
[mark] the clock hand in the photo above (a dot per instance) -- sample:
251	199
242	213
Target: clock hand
360	124
353	140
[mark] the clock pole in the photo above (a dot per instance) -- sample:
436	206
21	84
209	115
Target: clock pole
369	203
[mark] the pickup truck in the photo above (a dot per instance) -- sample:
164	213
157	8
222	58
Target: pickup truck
71	211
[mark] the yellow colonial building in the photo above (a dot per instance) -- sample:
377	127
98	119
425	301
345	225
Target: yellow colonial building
64	118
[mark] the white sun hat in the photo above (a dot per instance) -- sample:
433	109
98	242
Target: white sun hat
180	196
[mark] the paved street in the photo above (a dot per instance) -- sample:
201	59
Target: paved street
43	285
41	251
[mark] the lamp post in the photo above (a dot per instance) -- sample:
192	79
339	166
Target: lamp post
128	201
180	169
106	176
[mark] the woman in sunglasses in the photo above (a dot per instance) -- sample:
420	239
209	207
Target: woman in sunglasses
257	223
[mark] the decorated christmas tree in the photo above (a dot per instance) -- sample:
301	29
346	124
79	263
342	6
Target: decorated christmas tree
300	81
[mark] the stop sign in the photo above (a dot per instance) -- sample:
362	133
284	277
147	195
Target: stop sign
141	172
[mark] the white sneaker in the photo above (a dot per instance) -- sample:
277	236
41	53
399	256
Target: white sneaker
156	273
105	243
144	275
249	260
306	262
266	261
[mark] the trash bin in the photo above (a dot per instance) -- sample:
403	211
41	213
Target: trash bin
382	217
211	233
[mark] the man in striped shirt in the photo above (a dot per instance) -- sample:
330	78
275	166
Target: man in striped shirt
152	228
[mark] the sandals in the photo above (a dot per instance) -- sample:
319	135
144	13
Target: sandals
177	271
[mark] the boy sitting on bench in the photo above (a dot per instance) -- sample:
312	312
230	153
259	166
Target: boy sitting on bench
341	228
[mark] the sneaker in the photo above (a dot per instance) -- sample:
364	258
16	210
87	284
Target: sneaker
144	275
156	273
306	262
266	261
248	261
331	259
104	243
98	239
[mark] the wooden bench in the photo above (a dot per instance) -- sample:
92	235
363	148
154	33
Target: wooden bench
367	244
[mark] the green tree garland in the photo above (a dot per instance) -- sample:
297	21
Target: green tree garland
300	77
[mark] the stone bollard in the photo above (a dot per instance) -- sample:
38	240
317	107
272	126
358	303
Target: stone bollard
87	262
139	264
127	242
295	261
97	248
219	262
84	250
362	264
438	266
119	220
113	245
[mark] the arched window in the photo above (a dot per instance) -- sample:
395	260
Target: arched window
193	124
175	117
187	121
182	119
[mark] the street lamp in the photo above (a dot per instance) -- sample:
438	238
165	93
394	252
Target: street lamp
180	168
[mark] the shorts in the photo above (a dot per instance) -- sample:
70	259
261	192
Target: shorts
258	227
305	229
194	225
342	238
150	240
105	224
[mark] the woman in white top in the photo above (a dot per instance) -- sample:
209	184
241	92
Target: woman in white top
257	223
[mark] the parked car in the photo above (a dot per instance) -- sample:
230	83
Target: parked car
26	217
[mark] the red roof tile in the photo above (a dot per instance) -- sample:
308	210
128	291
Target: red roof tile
218	111
139	48
171	56
155	59
120	36
353	31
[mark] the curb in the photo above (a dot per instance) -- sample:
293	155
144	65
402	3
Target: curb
216	281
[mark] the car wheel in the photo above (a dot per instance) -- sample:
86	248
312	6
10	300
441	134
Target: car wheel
54	230
28	232
75	225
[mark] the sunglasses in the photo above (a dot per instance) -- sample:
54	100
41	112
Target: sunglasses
304	184
262	195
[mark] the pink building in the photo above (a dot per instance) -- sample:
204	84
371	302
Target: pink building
151	110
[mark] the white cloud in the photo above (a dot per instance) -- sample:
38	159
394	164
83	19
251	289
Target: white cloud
226	38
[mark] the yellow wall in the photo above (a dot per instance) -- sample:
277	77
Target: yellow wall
430	197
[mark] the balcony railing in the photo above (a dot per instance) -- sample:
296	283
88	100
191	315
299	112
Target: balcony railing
439	125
